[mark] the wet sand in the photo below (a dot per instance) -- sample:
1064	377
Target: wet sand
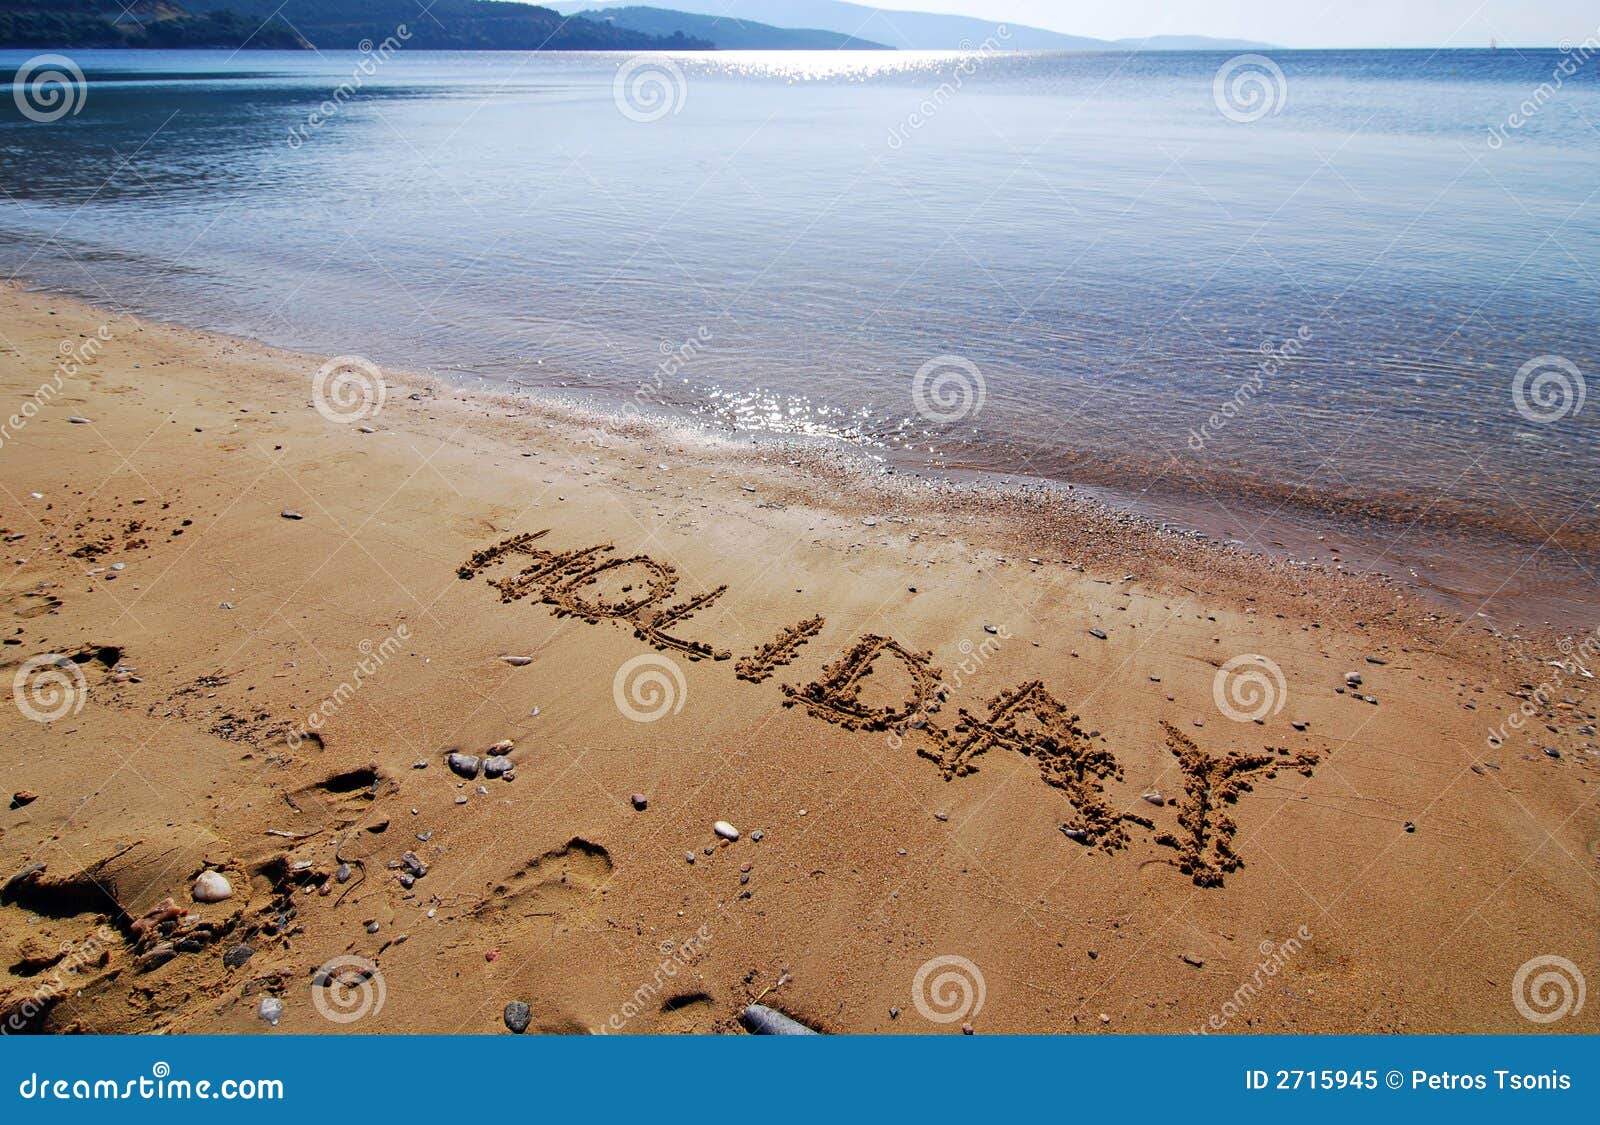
999	746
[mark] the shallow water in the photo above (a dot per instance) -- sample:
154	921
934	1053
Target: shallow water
1109	253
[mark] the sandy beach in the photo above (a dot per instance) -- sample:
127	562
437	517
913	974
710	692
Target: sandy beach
998	761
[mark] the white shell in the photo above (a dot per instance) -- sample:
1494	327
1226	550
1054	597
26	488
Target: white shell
212	886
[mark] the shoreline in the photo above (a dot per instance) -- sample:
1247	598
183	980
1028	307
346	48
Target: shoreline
273	697
1445	553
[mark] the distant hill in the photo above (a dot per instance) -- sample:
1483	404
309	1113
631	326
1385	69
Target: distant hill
912	31
727	32
139	23
442	25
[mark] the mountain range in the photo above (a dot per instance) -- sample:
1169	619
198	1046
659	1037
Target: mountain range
509	25
908	31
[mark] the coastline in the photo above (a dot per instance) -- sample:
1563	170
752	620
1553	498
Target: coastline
189	735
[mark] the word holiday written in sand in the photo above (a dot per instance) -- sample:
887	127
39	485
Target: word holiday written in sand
596	584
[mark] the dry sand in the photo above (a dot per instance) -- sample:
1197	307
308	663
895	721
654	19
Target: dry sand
1277	888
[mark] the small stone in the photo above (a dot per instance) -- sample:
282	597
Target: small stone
23	797
757	835
77	419
461	800
343	874
1191	959
894	1013
372	927
744	866
518	661
1299	724
420	764
966	1029
517	1016
725	830
1097	633
688	856
990	629
1104	1018
639	801
291	514
1552	752
1154	797
270	1010
1352	679
237	956
497	766
464	765
212	886
1410	827
413	863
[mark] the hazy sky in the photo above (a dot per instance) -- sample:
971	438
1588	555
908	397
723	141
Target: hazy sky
1297	23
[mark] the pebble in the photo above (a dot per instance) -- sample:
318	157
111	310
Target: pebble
372	927
291	514
497	766
1097	633
639	801
1352	679
343	874
1191	959
420	764
990	629
271	1010
757	835
1154	797
725	830
237	956
1299	724
212	886
518	661
466	765
688	856
517	1016
77	420
461	800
